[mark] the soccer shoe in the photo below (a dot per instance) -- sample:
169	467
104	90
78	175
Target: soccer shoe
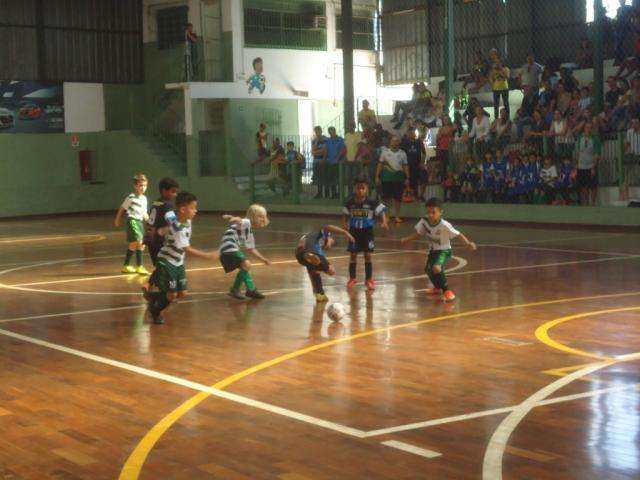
371	285
254	294
128	269
321	297
351	283
235	293
142	271
449	296
433	291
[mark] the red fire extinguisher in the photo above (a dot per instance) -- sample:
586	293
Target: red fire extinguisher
86	173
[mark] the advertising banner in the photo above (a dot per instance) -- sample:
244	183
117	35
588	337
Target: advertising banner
31	107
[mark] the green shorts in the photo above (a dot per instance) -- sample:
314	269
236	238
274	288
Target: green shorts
135	230
437	257
232	260
169	278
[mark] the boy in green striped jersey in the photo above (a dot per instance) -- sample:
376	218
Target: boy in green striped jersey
170	278
135	208
240	234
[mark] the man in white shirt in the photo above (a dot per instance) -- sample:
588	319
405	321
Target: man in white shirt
632	151
392	175
530	74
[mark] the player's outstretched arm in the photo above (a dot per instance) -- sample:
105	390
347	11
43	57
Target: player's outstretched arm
411	238
202	254
118	220
468	242
340	231
259	256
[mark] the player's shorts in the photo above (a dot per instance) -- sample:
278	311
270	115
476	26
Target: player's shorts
437	257
135	230
585	179
363	240
393	190
312	260
169	278
232	260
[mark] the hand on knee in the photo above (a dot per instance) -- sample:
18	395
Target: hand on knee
437	269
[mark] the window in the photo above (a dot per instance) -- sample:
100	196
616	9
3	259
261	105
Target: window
284	24
363	31
610	6
172	23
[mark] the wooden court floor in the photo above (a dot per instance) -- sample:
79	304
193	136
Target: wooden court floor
533	372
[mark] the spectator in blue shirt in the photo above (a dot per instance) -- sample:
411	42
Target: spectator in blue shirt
336	152
319	152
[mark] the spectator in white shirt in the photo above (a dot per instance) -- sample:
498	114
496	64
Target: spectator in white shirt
585	98
480	131
632	150
530	74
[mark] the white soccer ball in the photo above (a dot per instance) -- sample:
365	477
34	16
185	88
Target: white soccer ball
336	311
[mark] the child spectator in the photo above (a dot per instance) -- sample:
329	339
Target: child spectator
515	181
469	180
548	180
487	184
501	169
414	149
566	180
451	186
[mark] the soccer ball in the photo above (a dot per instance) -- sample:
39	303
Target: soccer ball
336	311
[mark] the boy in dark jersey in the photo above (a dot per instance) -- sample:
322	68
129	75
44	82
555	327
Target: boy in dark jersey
157	223
360	213
310	254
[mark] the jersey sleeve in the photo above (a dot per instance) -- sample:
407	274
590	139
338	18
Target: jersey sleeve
420	228
249	239
379	208
153	214
453	233
126	203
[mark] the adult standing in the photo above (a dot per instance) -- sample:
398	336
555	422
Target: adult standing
261	143
190	53
530	74
443	141
589	149
414	149
336	151
632	153
392	175
480	130
499	77
319	153
352	140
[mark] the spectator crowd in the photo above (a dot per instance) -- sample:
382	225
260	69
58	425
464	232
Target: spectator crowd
546	152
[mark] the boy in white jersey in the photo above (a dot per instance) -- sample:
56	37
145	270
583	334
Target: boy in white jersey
135	208
238	235
170	278
438	233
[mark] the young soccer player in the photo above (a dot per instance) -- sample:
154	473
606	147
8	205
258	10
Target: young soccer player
169	277
438	233
135	208
157	223
310	254
360	213
238	235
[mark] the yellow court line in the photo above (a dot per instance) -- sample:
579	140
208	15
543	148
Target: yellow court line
542	332
133	466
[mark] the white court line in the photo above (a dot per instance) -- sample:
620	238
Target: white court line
461	264
249	402
405	447
494	454
55	237
561	250
496	411
552	240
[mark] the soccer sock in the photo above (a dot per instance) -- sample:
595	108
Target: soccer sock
443	281
237	283
139	257
127	258
435	280
368	270
248	280
352	270
316	283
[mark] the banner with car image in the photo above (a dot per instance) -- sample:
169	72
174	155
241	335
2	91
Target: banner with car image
31	107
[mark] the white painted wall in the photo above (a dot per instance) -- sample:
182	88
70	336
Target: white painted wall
83	107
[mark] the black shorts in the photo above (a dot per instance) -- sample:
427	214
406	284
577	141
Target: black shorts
363	240
585	179
312	260
392	190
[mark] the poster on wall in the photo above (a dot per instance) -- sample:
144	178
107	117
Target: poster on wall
31	107
257	81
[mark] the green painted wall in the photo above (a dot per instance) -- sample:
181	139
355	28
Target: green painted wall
226	50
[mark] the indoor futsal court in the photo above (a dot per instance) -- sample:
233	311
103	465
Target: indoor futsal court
532	373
